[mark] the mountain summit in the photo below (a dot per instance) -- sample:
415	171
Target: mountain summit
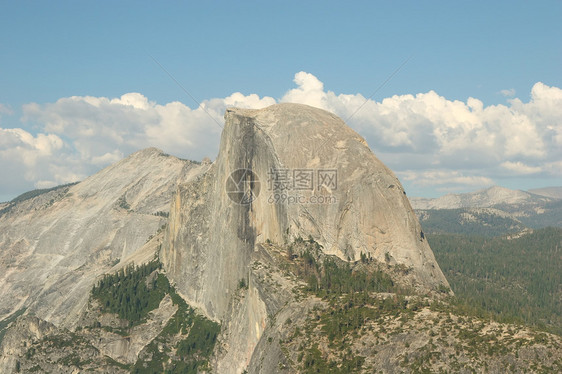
317	177
295	251
302	172
484	198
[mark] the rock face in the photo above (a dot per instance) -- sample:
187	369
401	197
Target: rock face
53	246
234	249
213	239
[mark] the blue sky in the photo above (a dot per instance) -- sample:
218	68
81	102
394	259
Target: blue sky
494	52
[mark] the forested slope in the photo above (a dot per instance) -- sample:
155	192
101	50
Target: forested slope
513	278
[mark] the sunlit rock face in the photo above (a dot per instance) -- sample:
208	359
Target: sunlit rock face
309	174
54	246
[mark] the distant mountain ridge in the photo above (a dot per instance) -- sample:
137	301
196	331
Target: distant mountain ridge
552	192
490	212
485	198
499	249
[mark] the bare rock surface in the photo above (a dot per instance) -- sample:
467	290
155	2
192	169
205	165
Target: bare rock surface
212	240
53	246
233	248
124	348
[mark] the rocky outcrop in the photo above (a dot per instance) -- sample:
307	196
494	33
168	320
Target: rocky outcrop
18	339
233	248
350	203
102	343
53	246
124	348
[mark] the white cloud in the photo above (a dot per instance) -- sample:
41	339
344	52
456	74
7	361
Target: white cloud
310	91
449	178
100	126
28	161
108	158
426	138
554	168
238	100
519	168
508	92
80	135
433	132
32	148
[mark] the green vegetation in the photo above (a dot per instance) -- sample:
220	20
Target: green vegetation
349	314
456	221
184	345
349	288
314	362
512	280
197	338
335	279
504	219
423	335
242	285
201	338
186	342
132	293
162	214
550	214
73	346
31	194
344	333
345	320
328	276
123	204
128	294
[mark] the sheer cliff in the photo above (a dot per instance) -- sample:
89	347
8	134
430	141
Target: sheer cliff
284	172
211	237
297	250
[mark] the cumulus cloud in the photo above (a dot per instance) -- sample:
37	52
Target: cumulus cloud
519	168
462	143
81	134
427	139
99	126
38	160
310	91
